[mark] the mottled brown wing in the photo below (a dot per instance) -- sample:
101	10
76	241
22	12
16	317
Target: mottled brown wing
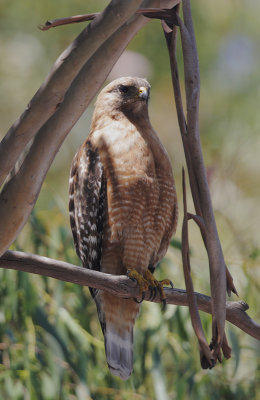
87	197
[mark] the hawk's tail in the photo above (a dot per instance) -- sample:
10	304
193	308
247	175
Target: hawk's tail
119	351
117	317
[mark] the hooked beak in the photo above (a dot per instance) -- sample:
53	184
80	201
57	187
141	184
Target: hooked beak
143	93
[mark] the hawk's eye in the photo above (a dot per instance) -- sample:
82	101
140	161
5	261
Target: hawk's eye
123	89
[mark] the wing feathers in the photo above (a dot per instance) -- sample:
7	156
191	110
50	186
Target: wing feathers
86	205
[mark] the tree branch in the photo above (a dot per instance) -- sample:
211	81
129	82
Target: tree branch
121	286
52	91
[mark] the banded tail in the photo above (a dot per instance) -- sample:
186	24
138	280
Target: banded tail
117	318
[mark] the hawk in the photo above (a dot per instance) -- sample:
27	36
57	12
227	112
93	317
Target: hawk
123	207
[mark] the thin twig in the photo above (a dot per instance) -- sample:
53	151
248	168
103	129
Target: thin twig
67	20
121	286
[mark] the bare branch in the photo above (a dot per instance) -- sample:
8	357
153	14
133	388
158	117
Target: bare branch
20	193
67	20
121	286
52	91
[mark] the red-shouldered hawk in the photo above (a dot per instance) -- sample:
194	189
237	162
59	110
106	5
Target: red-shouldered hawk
123	205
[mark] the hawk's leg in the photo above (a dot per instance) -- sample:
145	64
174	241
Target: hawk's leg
148	281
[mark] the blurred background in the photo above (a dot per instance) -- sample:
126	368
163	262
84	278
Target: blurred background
51	345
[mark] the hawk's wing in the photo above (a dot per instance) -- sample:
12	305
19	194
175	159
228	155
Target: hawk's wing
87	196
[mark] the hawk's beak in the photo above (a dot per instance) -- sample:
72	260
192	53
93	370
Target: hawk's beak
143	93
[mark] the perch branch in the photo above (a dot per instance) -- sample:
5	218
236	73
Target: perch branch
121	286
21	192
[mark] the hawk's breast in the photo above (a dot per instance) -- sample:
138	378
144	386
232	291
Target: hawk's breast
140	194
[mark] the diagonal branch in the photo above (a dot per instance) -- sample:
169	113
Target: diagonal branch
121	286
21	192
52	91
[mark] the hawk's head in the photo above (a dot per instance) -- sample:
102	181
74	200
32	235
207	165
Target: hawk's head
126	95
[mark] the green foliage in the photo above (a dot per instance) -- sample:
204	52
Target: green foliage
51	345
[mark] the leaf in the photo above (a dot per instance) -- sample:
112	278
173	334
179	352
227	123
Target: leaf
181	325
176	243
158	377
235	348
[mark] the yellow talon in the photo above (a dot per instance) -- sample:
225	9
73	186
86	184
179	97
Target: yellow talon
150	278
148	281
158	285
166	282
142	282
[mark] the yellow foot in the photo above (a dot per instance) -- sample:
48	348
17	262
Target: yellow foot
142	282
148	281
